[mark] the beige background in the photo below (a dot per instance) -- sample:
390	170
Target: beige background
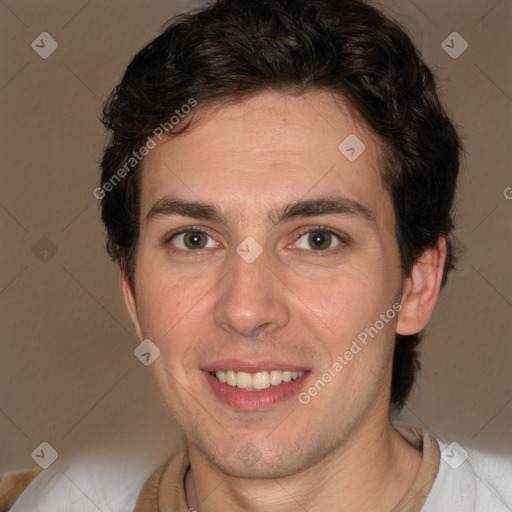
67	371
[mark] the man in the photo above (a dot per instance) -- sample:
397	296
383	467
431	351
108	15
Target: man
277	191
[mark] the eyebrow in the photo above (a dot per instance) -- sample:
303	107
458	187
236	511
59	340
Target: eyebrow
331	205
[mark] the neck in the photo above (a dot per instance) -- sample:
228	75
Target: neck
372	471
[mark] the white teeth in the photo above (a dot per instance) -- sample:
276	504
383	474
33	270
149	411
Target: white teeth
256	381
231	378
243	380
261	380
276	377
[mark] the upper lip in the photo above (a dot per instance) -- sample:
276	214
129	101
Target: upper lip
252	366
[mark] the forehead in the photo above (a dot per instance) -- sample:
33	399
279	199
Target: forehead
267	150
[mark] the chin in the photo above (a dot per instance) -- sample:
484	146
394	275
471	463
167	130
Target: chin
260	461
262	470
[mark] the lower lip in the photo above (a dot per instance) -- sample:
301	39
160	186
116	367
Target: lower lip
255	400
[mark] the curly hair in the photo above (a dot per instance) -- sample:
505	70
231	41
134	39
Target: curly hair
235	48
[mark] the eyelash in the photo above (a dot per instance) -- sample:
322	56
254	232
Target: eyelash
182	252
342	238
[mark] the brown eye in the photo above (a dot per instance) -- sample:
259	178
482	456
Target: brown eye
192	240
320	239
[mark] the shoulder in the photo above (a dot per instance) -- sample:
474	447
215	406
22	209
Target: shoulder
12	485
469	479
86	484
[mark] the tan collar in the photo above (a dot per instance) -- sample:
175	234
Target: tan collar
416	496
164	490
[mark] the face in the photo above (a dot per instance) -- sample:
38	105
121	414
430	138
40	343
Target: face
265	250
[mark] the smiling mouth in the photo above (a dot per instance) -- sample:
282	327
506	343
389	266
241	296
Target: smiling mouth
256	381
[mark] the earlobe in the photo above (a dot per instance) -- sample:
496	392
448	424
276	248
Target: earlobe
421	290
131	305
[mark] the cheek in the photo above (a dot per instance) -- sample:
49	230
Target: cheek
346	299
173	311
161	302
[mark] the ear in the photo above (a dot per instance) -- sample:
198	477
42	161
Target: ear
422	290
131	305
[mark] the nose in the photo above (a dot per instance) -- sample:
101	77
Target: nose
252	299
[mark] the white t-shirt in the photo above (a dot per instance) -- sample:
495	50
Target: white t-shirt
467	481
